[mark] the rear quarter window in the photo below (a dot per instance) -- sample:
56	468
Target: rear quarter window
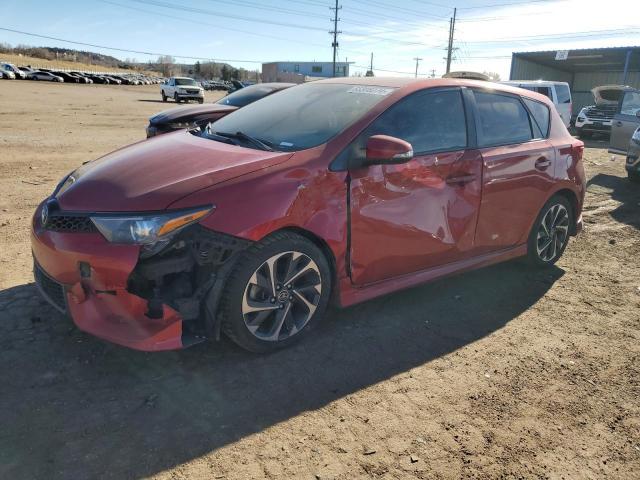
540	113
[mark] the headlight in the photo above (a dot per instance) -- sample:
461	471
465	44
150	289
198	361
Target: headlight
636	135
147	229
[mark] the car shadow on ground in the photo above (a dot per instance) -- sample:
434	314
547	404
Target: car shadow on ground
622	190
75	407
151	101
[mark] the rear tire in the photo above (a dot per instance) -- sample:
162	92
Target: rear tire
277	292
550	233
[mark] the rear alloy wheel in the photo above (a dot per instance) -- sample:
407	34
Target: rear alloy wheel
278	291
550	234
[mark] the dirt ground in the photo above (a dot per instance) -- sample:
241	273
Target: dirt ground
503	372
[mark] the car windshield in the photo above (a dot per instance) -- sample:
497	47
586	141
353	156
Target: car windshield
303	116
186	81
245	96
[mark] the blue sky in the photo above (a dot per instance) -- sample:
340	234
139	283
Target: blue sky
247	32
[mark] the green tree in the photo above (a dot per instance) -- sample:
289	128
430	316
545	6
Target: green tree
197	67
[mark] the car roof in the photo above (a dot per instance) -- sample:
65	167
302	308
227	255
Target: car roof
412	84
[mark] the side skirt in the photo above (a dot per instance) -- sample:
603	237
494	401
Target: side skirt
351	294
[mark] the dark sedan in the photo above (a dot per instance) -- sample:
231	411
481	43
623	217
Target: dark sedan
190	117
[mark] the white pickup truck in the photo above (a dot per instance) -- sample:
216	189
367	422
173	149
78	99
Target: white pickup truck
182	88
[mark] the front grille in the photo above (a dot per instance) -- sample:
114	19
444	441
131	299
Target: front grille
52	290
70	223
604	112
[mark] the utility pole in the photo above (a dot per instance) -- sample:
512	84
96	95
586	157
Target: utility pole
433	73
370	71
417	59
452	27
335	33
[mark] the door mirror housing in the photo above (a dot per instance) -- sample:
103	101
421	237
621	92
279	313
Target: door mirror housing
387	150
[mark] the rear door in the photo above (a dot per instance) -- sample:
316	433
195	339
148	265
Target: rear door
625	121
518	167
420	214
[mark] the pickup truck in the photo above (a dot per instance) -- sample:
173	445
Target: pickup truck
182	88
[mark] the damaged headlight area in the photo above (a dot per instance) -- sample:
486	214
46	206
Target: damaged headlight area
153	231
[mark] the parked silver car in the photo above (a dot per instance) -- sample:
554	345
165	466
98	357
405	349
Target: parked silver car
625	121
47	76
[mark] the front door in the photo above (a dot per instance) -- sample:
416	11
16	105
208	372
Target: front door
420	214
625	121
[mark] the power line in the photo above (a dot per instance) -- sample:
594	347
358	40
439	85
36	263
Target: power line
504	4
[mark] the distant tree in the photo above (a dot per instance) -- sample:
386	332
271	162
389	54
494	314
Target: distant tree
197	68
165	63
225	72
235	74
493	76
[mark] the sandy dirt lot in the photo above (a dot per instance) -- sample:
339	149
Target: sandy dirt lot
499	373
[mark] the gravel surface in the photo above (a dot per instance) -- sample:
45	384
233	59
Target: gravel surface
503	372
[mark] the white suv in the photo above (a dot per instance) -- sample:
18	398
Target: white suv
10	67
182	88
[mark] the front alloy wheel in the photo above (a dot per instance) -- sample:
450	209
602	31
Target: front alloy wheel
281	296
278	290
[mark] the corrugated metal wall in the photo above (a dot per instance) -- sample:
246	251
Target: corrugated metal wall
581	84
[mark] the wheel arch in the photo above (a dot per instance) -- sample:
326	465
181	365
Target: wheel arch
572	198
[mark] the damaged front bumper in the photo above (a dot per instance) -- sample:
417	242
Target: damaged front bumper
164	302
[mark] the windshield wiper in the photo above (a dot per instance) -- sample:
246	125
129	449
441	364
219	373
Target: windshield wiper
247	138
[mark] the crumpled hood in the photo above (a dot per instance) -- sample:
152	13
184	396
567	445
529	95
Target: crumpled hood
190	112
152	174
608	94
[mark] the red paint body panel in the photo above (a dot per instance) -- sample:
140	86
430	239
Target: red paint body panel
405	224
152	174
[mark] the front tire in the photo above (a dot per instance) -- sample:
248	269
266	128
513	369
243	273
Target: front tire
277	292
164	97
176	98
550	233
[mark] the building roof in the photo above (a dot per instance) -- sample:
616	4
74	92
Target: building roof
307	62
586	59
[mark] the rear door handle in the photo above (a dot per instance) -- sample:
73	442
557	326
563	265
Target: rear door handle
543	163
460	179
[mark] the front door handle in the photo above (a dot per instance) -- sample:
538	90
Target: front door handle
543	163
618	123
460	179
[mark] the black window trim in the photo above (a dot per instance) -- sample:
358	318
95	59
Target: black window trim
532	117
520	99
468	114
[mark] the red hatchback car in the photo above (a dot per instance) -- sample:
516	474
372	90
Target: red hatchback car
342	189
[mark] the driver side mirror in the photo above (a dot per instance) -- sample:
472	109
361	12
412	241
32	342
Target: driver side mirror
387	150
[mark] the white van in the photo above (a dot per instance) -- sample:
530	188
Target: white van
558	92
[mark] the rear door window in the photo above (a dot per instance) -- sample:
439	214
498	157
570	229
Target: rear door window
540	114
563	94
546	91
503	120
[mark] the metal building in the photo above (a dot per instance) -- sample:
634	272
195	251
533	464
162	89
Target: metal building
583	69
290	71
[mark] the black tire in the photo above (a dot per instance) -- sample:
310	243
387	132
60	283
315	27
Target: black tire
176	98
201	101
546	258
633	177
164	97
238	287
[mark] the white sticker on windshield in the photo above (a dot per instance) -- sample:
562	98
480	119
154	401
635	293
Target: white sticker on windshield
286	144
370	90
